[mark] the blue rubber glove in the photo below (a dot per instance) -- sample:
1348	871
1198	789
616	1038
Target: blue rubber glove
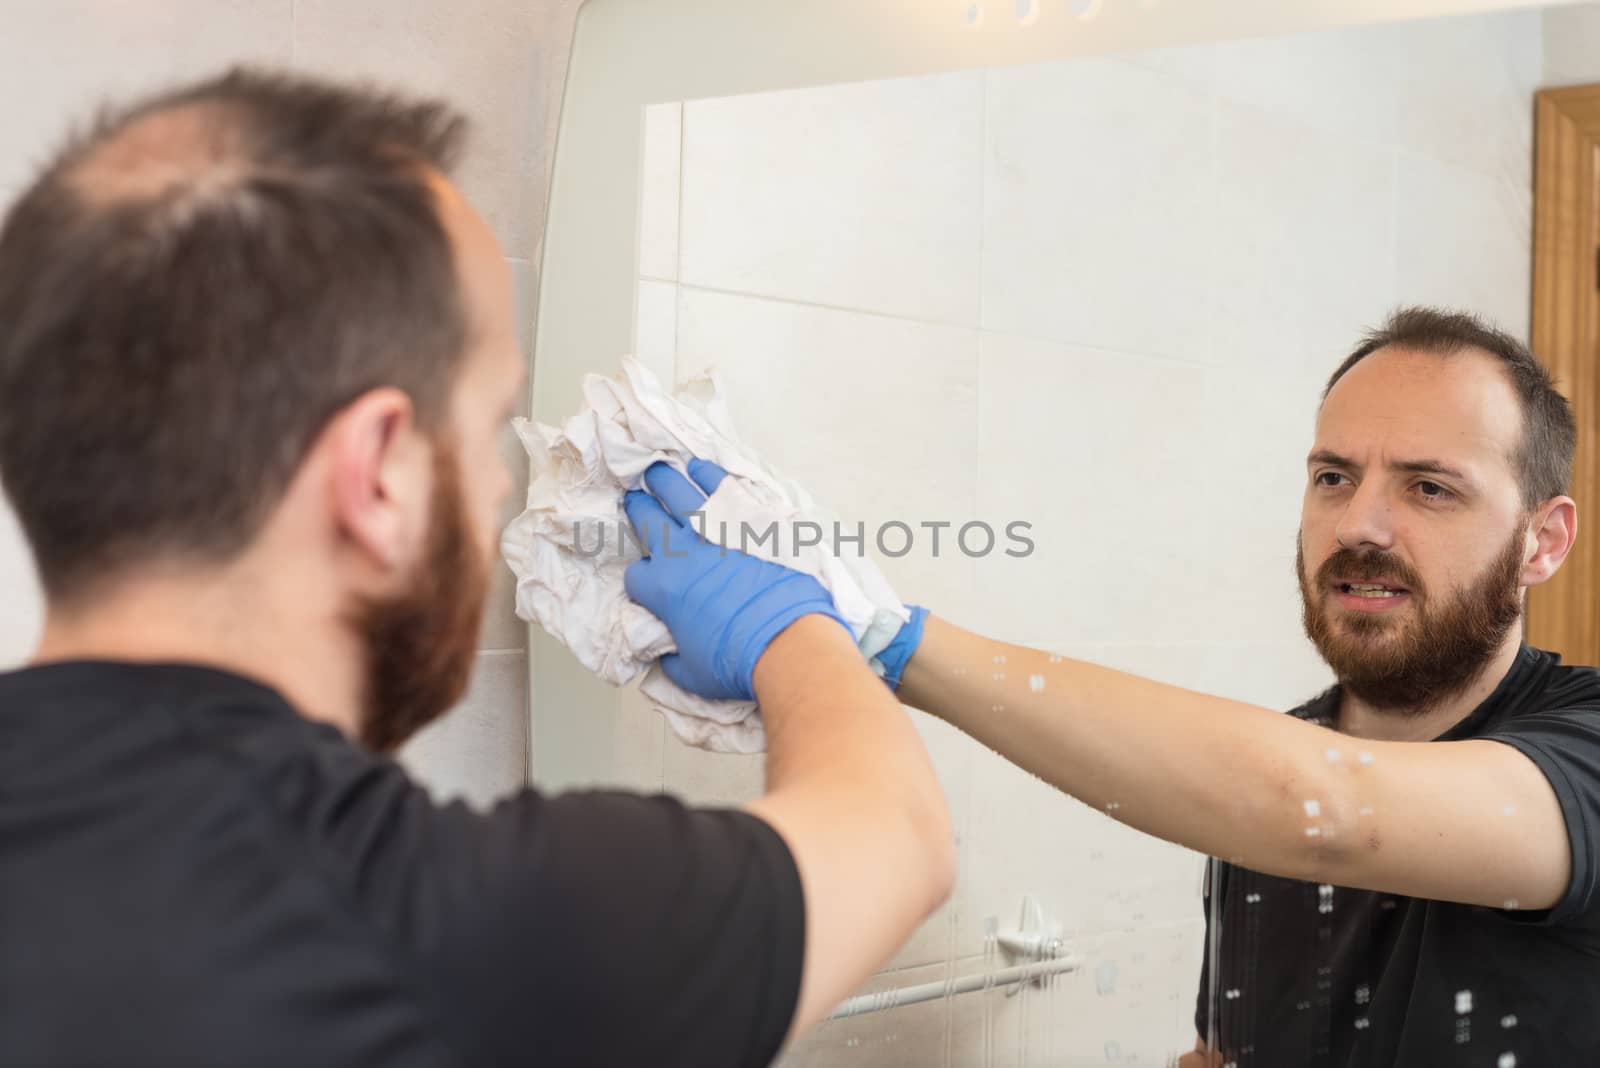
722	606
897	654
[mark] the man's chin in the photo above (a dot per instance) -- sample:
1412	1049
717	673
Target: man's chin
1354	623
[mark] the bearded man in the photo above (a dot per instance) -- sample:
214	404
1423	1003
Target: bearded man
1411	870
256	352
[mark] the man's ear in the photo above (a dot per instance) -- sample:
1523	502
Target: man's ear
1552	532
380	476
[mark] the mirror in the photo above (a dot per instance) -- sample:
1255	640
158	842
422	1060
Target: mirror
1084	265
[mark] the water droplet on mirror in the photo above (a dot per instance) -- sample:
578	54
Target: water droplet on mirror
1105	978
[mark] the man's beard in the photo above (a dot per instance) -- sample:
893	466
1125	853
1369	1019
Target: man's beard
1410	665
420	644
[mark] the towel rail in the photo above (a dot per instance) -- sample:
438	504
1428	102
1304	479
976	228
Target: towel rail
894	998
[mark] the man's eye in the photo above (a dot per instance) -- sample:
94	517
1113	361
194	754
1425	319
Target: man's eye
1329	478
1433	491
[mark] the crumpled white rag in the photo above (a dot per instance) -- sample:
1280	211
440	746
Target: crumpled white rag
571	583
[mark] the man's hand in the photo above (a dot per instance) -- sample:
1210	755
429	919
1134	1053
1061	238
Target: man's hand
849	786
722	606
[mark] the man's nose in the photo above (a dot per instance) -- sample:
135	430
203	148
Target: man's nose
1366	522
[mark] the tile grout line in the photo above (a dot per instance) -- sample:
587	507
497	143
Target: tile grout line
1106	350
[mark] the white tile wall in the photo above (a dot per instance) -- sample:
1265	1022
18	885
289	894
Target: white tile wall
1104	454
1259	426
1089	871
1099	207
1177	249
1461	77
1343	81
912	1036
1121	1007
1465	240
877	416
1305	258
864	197
1117	1008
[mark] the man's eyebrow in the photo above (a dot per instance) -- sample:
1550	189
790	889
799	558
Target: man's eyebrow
1330	458
1416	467
1431	467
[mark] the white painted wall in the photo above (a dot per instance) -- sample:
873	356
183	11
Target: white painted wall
1101	295
502	61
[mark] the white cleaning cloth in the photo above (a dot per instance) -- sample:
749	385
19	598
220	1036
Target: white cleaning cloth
569	549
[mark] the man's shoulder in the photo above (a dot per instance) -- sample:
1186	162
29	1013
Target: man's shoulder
1564	687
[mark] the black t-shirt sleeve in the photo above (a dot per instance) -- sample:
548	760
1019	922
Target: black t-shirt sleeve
591	928
1565	745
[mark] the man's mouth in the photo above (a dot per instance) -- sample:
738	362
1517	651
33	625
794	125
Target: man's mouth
1371	597
1370	589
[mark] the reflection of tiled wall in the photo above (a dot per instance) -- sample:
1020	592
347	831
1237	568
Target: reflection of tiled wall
502	61
1099	296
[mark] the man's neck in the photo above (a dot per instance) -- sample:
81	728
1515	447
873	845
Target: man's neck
226	621
1362	720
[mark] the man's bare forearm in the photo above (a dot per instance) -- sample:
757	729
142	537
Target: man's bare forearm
827	715
1219	776
851	789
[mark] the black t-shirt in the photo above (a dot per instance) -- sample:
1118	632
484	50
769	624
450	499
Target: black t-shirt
1330	977
191	873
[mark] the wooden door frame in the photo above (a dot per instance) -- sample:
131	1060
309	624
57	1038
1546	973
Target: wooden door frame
1564	613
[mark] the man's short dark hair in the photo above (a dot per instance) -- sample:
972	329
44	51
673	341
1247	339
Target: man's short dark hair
189	292
1543	459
